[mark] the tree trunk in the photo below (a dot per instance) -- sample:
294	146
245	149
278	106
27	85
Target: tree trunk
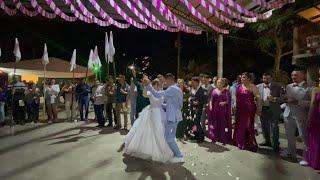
277	57
277	60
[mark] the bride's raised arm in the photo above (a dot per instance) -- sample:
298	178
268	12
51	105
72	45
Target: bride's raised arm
145	92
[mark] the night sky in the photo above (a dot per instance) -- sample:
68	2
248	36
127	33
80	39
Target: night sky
62	37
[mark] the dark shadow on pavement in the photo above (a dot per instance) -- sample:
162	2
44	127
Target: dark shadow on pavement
41	138
71	140
82	129
267	152
26	130
29	166
107	131
96	167
275	165
156	170
123	132
211	147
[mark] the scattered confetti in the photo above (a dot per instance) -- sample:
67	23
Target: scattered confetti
207	174
194	174
229	174
237	178
202	174
193	164
228	166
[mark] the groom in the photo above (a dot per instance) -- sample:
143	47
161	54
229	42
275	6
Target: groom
173	98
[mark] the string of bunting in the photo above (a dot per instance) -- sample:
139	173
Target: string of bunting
140	16
221	17
197	14
166	13
221	9
41	11
58	11
231	13
104	15
242	10
151	16
24	10
6	9
273	5
87	13
124	15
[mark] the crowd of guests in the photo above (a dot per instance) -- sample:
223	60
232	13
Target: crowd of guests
209	107
214	104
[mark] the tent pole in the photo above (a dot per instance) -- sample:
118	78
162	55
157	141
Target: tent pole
12	93
44	91
87	74
114	69
72	93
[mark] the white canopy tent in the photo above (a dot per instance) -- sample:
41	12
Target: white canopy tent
57	68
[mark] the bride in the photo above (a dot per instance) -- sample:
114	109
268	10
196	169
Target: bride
146	138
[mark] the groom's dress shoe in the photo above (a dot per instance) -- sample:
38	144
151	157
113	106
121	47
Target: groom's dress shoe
265	144
177	160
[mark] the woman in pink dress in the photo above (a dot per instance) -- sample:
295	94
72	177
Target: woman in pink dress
313	143
247	106
219	114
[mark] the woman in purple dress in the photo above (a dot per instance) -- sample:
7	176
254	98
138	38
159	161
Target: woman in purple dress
219	115
313	143
248	105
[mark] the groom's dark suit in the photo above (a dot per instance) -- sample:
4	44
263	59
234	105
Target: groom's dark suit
197	102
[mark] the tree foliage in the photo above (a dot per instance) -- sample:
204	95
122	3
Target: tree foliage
275	33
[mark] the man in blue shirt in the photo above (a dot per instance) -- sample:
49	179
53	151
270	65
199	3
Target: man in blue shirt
82	94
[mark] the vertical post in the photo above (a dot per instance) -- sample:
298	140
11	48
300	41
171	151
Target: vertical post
72	94
114	69
108	69
87	74
179	50
220	55
12	92
44	91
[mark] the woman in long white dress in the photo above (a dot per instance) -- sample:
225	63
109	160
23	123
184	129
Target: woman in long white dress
146	138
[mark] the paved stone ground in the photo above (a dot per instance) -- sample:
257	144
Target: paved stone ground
79	151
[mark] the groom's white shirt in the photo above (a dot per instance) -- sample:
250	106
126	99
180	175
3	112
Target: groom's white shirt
173	97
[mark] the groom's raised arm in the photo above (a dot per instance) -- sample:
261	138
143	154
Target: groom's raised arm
158	94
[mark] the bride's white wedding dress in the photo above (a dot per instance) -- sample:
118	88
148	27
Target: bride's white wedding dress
146	138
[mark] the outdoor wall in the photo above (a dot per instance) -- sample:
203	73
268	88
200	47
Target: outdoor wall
30	77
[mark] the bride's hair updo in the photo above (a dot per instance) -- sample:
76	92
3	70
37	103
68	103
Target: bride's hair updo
155	82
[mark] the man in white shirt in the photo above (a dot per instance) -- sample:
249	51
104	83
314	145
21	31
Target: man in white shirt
132	99
270	93
298	96
98	98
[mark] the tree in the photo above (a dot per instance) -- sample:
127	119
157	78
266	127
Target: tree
276	33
